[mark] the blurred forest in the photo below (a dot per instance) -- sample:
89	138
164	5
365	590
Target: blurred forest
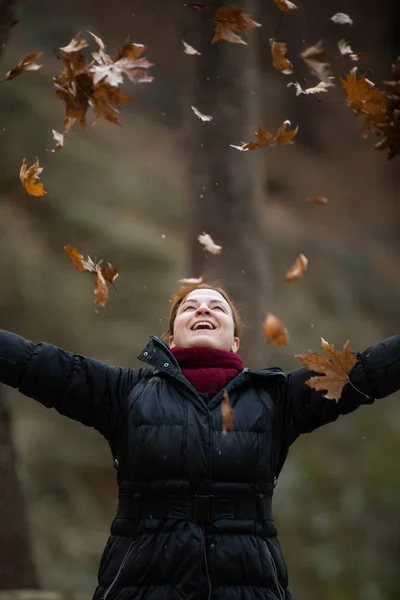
138	196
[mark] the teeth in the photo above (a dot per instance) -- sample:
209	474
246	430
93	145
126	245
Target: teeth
203	323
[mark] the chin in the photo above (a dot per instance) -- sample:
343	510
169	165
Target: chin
202	342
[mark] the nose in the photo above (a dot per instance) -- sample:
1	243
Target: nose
203	309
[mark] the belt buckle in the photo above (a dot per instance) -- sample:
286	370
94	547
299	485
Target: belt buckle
202	508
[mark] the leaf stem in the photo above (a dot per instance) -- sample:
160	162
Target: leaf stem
357	390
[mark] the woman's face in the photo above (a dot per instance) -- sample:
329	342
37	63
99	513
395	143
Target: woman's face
205	319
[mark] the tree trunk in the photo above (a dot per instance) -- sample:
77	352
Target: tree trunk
17	569
226	185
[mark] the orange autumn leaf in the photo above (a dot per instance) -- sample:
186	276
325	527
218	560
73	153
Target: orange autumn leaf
103	274
279	60
266	138
226	414
26	64
335	369
29	178
322	200
297	271
274	330
285	5
230	19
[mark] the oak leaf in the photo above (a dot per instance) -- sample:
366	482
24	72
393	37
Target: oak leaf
230	19
285	5
315	59
275	331
279	60
26	64
298	270
335	369
226	414
266	138
29	178
209	244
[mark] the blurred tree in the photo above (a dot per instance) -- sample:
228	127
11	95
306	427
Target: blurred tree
17	569
226	185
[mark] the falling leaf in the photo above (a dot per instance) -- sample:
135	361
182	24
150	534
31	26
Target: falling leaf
103	274
335	369
200	115
266	138
274	330
342	19
208	243
320	87
190	50
315	59
279	60
285	5
196	7
77	44
229	19
26	64
297	271
226	414
191	280
59	138
318	200
29	178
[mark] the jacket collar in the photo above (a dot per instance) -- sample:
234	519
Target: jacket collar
158	354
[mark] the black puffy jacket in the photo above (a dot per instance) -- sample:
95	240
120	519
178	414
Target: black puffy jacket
194	517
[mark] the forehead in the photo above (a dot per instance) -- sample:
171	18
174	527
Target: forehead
205	295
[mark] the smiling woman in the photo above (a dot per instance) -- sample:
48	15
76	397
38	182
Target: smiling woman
194	518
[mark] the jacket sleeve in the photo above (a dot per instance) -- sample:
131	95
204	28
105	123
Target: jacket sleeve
78	387
376	374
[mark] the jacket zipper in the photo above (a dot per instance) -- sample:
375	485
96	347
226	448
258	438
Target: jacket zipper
108	590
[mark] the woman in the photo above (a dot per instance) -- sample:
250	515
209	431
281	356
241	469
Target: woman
194	516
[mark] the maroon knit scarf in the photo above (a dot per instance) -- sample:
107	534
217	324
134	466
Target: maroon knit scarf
208	369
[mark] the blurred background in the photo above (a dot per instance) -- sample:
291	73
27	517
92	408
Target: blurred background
138	196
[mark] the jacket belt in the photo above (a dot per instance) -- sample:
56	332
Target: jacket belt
197	508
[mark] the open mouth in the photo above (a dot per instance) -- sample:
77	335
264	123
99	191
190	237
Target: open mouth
204	325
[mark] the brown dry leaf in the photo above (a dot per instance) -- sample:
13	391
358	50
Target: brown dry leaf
230	19
188	49
266	138
335	368
208	243
191	280
26	64
59	138
285	5
298	270
103	274
77	44
342	19
315	59
226	414
274	330
200	115
29	178
318	200
346	50
279	60
320	87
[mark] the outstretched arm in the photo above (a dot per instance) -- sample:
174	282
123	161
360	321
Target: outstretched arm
78	387
376	374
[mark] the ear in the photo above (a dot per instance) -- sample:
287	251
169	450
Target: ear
235	345
171	342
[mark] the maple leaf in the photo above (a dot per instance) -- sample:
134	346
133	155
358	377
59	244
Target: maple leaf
230	19
190	50
342	19
274	330
209	244
29	178
297	271
285	5
26	64
226	414
279	60
266	138
320	87
315	59
335	369
103	274
200	115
